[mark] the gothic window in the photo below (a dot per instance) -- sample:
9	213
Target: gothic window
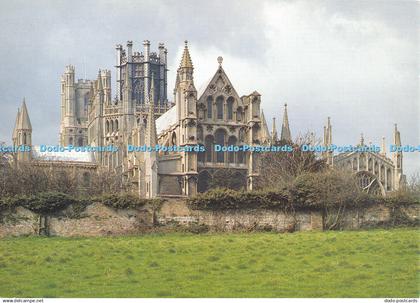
388	179
383	175
369	183
241	156
209	107
138	92
230	108
201	155
255	108
107	126
24	138
219	107
239	114
376	168
231	155
116	125
112	126
173	139
220	136
355	164
71	141
80	142
209	148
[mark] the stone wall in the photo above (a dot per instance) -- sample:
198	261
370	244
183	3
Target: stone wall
95	220
100	220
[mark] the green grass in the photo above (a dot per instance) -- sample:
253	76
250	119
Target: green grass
376	263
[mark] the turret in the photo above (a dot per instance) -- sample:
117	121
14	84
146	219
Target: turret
328	155
285	130
274	136
151	158
106	85
23	134
68	92
397	159
383	147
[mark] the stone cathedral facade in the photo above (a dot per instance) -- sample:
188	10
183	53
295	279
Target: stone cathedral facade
139	114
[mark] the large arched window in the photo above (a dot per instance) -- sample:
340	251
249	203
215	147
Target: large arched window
230	102
383	175
209	107
231	155
388	179
173	139
219	107
239	114
208	145
220	136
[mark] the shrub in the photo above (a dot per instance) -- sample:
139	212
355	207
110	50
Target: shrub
45	202
401	197
125	201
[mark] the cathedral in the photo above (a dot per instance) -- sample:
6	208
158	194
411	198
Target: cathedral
140	114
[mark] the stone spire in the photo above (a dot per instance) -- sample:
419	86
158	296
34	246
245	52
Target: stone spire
24	121
265	133
362	140
14	137
285	130
186	61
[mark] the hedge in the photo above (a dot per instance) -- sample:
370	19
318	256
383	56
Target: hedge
295	198
51	202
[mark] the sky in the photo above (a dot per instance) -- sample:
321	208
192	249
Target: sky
355	61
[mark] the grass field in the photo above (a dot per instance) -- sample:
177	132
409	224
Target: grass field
376	263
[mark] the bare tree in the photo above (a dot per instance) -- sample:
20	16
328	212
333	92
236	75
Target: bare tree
278	169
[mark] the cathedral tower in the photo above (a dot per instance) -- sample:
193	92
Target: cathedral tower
74	109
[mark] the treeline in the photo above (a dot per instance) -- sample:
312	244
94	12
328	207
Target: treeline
29	179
